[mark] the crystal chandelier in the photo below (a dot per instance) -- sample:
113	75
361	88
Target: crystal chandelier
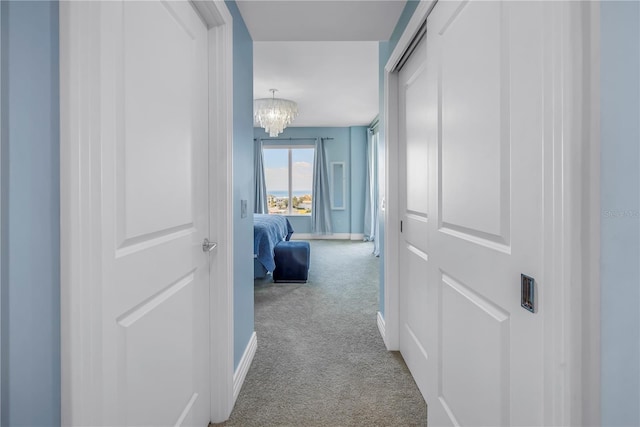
274	114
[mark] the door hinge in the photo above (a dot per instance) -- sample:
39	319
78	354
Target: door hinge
401	226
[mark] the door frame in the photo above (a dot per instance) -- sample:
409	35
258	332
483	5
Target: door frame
4	184
571	212
80	195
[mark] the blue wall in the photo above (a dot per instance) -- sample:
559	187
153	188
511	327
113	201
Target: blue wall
620	212
243	322
358	176
30	215
29	310
349	146
404	19
385	49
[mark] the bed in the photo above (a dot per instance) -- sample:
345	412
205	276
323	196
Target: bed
268	231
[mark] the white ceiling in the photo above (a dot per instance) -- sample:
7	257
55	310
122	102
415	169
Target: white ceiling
320	20
323	54
334	83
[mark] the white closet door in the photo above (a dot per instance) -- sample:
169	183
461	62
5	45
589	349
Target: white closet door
414	176
472	137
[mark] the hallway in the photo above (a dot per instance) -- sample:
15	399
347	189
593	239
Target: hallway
320	358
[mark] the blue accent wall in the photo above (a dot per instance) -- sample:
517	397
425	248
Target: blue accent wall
620	212
404	19
385	49
349	146
358	176
243	314
30	287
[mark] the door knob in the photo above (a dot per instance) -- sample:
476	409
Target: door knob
208	246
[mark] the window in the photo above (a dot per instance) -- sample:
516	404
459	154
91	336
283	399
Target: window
289	178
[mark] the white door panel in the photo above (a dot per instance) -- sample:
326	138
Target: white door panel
475	158
480	105
416	158
160	52
155	207
414	257
474	355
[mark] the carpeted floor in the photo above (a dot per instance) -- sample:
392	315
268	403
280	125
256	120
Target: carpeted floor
320	358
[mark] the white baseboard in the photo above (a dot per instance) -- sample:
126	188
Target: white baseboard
381	326
243	367
334	236
357	236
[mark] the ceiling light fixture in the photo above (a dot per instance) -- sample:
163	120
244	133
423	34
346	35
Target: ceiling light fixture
274	114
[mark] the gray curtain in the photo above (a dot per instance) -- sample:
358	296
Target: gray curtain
320	203
260	200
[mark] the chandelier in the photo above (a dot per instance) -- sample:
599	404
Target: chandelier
274	114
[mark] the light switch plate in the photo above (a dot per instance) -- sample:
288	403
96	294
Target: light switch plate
243	208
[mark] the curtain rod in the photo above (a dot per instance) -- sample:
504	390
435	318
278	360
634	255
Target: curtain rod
289	139
374	124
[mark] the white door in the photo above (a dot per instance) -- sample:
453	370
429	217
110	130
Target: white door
413	257
155	278
472	215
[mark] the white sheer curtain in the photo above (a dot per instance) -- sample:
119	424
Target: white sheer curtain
376	206
371	223
260	199
320	202
370	201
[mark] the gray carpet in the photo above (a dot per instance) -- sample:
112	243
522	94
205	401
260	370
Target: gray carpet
320	358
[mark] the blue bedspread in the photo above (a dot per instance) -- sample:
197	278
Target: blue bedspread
268	231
